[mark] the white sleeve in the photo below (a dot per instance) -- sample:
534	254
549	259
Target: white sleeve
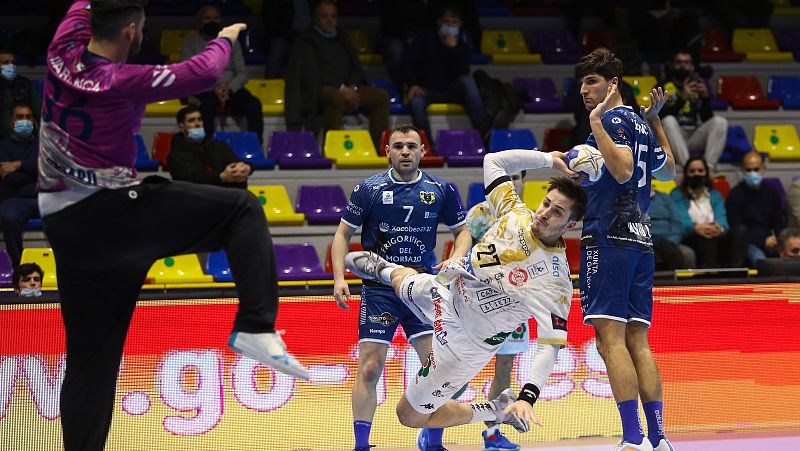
543	362
499	164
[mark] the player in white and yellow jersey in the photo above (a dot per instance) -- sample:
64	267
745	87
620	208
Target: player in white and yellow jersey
516	272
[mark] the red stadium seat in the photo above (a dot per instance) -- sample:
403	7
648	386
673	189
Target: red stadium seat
329	262
429	160
557	139
721	184
162	144
745	93
718	48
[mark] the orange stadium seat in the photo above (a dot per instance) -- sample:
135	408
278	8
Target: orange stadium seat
573	254
448	249
745	93
721	184
162	145
354	246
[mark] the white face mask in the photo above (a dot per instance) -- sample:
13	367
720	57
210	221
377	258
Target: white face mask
8	71
30	292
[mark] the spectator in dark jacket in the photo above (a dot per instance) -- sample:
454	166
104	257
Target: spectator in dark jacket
283	21
14	89
198	158
18	171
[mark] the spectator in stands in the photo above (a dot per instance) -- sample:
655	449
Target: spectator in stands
437	71
399	22
789	243
688	120
705	222
230	91
18	175
196	157
758	207
283	21
793	204
324	80
666	229
27	280
14	89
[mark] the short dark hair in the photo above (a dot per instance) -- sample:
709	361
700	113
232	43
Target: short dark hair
109	17
681	51
600	62
786	234
185	111
20	105
449	7
572	190
685	180
23	270
405	128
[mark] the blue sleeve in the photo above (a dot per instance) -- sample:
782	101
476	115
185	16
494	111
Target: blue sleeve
358	206
453	214
619	128
720	215
682	206
658	157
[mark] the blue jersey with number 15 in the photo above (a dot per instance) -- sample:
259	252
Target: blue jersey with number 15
617	214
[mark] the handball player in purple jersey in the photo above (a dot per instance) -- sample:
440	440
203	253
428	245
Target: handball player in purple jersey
107	227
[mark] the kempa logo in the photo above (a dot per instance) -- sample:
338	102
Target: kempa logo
522	242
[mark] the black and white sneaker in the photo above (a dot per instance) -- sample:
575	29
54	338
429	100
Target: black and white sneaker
368	265
503	400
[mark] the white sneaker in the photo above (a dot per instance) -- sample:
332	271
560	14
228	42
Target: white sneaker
664	445
367	265
268	348
503	400
625	446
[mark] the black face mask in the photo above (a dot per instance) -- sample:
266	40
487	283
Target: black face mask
211	29
680	74
696	181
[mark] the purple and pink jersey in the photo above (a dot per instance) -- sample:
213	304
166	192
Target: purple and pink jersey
93	107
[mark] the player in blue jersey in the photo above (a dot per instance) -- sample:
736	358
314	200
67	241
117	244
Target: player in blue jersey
616	248
398	211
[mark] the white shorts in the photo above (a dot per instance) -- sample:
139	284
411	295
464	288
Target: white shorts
455	357
516	343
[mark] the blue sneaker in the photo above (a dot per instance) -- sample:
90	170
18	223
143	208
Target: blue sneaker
498	442
422	442
364	448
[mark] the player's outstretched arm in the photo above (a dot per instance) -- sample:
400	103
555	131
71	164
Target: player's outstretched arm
339	248
658	98
618	163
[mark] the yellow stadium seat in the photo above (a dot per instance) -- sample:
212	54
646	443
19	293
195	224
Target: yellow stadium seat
663	187
270	93
42	256
642	87
508	47
358	39
172	41
165	108
180	269
779	141
533	193
445	108
352	149
277	206
759	46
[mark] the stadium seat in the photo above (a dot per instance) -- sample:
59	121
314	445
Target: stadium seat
504	139
299	262
447	251
736	145
544	97
507	47
460	147
33	224
352	149
246	146
721	184
321	204
396	105
744	93
780	142
573	254
297	150
476	194
429	160
42	256
555	46
533	193
759	46
164	108
718	48
641	88
785	89
717	104
143	161
277	206
177	270
354	246
663	187
557	139
445	108
598	38
217	266
172	42
271	94
789	41
359	41
5	270
162	145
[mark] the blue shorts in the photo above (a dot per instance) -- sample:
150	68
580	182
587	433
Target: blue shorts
380	313
616	284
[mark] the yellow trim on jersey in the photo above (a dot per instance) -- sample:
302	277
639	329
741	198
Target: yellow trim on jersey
552	341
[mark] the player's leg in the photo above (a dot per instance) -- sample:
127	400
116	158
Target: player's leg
677	139
493	438
710	138
333	107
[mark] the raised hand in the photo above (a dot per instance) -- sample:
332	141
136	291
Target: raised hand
658	98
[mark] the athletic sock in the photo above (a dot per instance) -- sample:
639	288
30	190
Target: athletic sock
654	413
361	430
482	411
435	436
631	426
492	430
386	274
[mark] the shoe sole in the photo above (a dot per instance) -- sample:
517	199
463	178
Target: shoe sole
274	364
358	272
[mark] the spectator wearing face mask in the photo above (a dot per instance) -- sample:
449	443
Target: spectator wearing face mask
230	91
757	207
14	89
27	280
18	174
196	157
705	222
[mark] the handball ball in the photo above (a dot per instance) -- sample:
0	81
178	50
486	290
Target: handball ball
587	161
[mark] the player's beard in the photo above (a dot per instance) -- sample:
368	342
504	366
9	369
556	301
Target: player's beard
136	47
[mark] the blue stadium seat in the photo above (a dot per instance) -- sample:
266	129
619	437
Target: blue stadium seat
396	105
785	89
217	266
475	195
143	161
246	146
736	145
504	139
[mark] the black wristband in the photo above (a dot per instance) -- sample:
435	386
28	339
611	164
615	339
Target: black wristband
529	393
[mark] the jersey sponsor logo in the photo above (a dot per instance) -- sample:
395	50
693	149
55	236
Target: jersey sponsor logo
388	197
518	277
616	120
556	266
487	293
437	393
639	229
354	209
438	330
496	304
592	264
426	368
384	318
537	269
431	215
497	339
427	197
496	280
523	244
559	323
377	331
383	227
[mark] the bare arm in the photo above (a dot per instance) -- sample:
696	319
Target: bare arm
462	245
339	248
658	97
618	163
